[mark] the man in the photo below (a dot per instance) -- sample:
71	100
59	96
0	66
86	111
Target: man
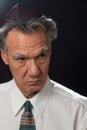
25	42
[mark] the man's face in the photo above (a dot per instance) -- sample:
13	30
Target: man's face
28	57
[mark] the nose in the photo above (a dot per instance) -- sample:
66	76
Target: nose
33	68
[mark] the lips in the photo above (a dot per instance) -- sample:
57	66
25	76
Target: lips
33	83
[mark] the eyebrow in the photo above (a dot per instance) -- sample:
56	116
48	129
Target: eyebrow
19	55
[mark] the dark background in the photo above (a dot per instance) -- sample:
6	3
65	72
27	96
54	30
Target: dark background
69	59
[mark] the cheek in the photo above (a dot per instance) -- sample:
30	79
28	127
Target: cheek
17	72
45	67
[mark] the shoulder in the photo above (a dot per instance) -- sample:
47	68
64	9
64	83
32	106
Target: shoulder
67	94
6	86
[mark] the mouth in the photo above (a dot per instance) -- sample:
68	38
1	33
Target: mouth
33	83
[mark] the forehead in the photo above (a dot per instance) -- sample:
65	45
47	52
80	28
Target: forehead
19	40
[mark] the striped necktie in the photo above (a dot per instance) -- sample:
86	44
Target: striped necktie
27	120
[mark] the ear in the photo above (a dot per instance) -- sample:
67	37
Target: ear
4	57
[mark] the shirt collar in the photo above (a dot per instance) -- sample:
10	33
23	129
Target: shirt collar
39	101
17	97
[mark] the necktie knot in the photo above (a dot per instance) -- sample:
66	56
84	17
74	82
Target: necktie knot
27	106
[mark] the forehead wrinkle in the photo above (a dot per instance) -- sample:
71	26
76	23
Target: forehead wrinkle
33	45
37	43
19	54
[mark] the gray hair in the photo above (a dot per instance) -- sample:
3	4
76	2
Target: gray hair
43	23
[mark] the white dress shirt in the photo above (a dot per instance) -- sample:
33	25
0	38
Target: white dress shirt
55	107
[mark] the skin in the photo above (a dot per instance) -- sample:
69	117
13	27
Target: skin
28	57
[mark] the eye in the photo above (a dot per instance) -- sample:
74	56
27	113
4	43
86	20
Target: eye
42	55
21	59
